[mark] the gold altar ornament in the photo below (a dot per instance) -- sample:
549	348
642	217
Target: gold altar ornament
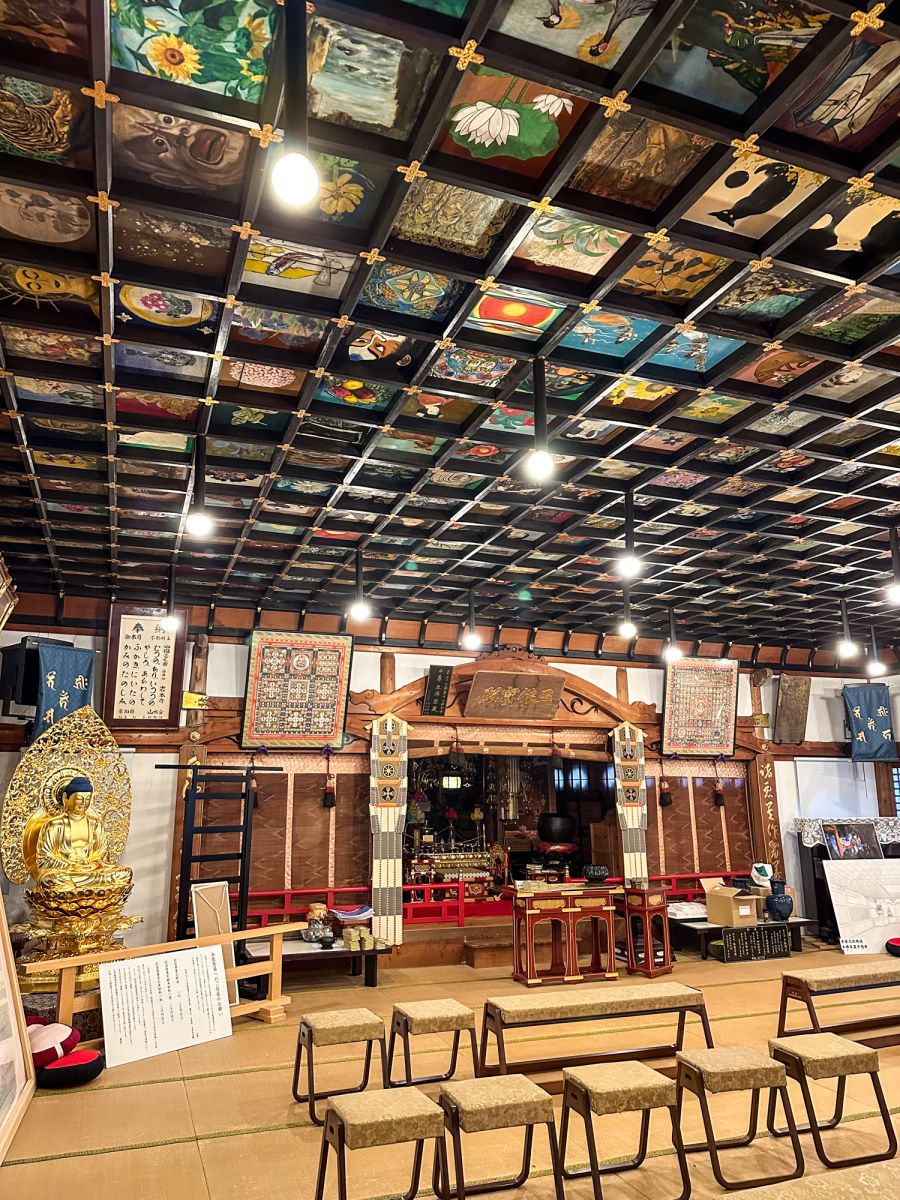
64	827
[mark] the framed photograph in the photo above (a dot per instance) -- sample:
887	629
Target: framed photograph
144	668
851	840
700	707
16	1066
297	686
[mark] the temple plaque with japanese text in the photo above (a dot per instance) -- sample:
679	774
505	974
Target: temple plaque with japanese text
144	669
514	694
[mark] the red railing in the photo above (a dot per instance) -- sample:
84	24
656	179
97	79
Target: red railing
432	903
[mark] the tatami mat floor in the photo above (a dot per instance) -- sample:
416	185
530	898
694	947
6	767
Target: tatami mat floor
218	1122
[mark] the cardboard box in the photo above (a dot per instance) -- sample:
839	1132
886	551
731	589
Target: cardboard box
726	906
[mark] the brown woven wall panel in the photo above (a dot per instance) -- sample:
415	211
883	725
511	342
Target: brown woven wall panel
707	814
268	844
352	837
737	821
353	834
309	852
653	867
679	844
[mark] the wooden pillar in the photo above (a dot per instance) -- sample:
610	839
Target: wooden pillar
388	664
765	826
757	679
199	667
884	789
622	685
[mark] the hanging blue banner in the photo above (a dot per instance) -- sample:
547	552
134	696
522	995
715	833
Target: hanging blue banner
65	678
868	708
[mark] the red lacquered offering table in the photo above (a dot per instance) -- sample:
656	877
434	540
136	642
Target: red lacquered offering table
564	908
646	913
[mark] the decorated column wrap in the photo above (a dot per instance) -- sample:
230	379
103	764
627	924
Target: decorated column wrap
766	826
387	813
631	801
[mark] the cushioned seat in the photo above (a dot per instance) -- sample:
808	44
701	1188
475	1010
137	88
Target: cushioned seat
734	1068
499	1102
824	979
586	1002
826	1055
386	1118
436	1016
621	1087
340	1025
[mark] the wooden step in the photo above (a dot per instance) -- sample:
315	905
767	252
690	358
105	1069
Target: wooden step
488	953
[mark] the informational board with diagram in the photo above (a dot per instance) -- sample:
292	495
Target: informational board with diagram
866	898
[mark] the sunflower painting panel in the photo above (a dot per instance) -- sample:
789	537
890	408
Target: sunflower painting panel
777	368
727	54
753	196
349	193
48	346
220	47
765	297
638	395
161	241
692	350
509	312
411	290
514	124
609	333
366	80
672	272
44	123
854	100
638	162
597	34
713	409
451	218
27	290
295	268
35	215
161	150
567	246
259	326
156	306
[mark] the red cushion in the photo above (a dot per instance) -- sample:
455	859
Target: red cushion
50	1040
73	1070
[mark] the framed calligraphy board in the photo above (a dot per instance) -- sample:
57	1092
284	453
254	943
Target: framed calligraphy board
700	707
144	668
506	694
437	689
297	686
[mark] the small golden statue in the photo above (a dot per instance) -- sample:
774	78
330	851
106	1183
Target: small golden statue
62	836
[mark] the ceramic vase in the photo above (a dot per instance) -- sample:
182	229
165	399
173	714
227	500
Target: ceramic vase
779	905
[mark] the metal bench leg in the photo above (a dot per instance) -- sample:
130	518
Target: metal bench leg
556	1162
831	1123
859	1160
575	1099
732	1143
402	1031
459	1190
714	1147
704	1021
678	1143
305	1041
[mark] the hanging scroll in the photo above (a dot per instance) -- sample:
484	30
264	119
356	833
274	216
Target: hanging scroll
791	708
144	668
868	715
297	687
631	801
387	813
700	707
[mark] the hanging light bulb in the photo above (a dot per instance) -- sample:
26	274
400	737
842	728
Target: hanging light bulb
629	564
539	464
294	178
171	622
846	647
360	608
198	522
874	665
470	639
893	594
626	627
672	653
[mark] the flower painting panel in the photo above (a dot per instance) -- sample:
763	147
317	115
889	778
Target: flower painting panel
451	218
364	79
597	34
411	291
765	297
672	273
727	54
713	409
778	368
164	307
567	246
638	162
44	123
472	366
509	312
46	345
277	264
221	47
256	376
161	241
692	350
854	100
609	333
161	150
638	395
36	215
515	124
753	195
349	193
283	330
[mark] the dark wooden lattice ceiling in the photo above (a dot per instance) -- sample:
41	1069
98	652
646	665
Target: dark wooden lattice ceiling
690	209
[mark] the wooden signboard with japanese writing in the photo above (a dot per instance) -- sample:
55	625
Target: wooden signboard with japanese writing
437	689
144	669
791	709
513	695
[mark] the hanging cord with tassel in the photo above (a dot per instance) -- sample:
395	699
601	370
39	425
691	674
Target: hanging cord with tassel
718	790
328	800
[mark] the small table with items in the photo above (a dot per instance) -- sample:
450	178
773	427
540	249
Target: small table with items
707	931
297	951
564	906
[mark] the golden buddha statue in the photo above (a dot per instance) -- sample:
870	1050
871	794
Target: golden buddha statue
62	833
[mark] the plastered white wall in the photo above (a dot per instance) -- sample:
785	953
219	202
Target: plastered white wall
149	848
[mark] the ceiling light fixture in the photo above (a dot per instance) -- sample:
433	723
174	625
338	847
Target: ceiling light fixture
626	628
539	463
672	653
198	522
629	564
171	622
360	608
470	639
892	593
846	647
874	665
295	180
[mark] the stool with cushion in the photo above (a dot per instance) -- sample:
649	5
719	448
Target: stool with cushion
735	1069
500	1102
430	1016
382	1119
829	1056
338	1027
605	1088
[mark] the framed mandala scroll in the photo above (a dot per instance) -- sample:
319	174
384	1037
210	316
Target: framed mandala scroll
297	686
700	707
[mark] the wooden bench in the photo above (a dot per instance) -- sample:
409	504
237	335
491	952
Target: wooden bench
804	985
565	1005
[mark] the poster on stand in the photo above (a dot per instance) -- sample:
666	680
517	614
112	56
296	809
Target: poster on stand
865	894
16	1066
